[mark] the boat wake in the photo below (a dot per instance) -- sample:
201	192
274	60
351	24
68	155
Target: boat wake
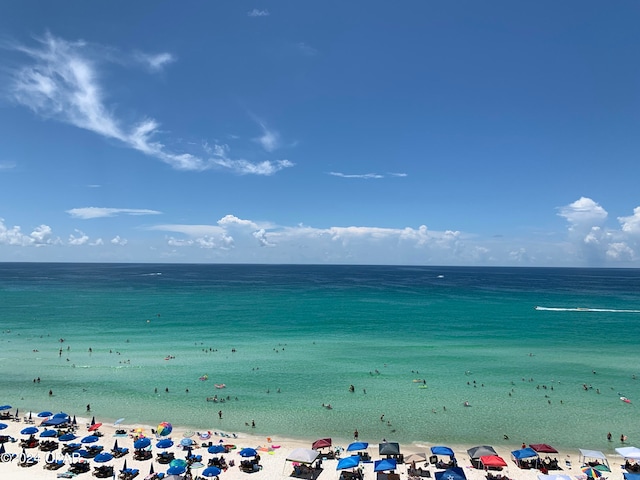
580	309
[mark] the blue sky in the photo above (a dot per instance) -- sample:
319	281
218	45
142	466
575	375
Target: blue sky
415	132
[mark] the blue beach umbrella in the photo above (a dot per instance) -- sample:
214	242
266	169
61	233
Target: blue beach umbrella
90	439
5	407
3	426
185	442
164	443
67	437
29	431
61	415
211	472
103	457
348	462
143	442
176	470
357	446
49	433
248	452
178	462
453	473
384	464
45	414
216	448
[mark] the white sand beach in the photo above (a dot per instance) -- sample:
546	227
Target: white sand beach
273	453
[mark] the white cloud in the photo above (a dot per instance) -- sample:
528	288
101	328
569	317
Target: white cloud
155	62
258	13
270	139
80	239
62	83
244	167
86	213
40	236
7	165
583	213
631	224
306	49
356	175
117	240
261	236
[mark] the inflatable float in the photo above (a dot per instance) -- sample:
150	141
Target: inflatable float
625	399
220	385
204	377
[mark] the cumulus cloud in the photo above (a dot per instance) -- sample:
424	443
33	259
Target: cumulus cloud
594	241
62	82
117	240
583	213
79	239
40	236
258	13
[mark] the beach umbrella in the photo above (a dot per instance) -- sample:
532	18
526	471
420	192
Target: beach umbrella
602	467
480	451
543	448
591	472
74	421
49	433
3	426
5	407
60	415
189	452
118	421
90	439
143	442
389	448
440	450
321	443
16	414
176	470
384	464
124	466
164	443
103	457
151	470
248	452
94	427
348	462
29	431
30	416
178	462
211	472
93	420
164	429
45	414
415	457
453	473
185	442
67	437
54	421
357	446
216	448
2	449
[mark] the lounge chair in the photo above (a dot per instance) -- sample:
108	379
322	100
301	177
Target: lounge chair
55	465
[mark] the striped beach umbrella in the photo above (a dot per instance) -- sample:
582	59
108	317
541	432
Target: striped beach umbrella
164	429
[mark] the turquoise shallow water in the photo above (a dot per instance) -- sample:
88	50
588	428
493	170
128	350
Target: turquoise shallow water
303	334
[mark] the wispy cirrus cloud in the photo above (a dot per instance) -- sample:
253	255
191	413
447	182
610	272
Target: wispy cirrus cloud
7	165
258	13
62	82
270	139
154	62
87	213
220	156
356	175
306	49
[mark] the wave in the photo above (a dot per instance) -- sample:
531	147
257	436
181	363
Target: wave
580	309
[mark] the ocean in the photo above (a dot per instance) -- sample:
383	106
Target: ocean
150	342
